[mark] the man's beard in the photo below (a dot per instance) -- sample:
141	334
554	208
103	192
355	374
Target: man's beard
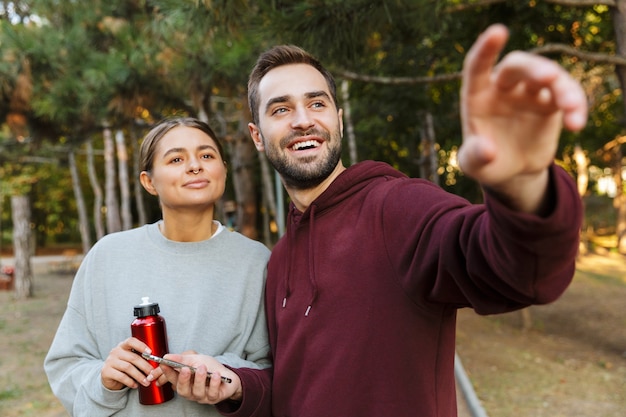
305	173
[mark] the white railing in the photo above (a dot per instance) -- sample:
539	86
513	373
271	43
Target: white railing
473	403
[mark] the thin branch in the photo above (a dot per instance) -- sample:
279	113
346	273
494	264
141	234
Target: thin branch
588	56
463	7
609	146
38	160
569	3
585	3
542	50
349	75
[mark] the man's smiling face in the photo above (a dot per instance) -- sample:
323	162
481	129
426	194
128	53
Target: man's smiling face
299	126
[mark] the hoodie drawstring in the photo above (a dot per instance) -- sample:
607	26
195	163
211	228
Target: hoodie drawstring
292	236
312	265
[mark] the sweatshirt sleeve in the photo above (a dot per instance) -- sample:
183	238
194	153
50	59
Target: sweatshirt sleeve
73	362
254	371
256	350
256	402
486	256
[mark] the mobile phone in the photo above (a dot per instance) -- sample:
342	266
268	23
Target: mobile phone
175	364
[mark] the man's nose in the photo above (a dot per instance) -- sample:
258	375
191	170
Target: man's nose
302	119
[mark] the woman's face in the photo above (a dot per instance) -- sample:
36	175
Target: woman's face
188	171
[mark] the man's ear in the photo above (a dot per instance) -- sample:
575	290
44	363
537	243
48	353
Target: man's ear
255	134
146	182
340	116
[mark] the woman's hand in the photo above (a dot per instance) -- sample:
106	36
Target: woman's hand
124	367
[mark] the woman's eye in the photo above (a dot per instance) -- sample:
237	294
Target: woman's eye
176	160
208	156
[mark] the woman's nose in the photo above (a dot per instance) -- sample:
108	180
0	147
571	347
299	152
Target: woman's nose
194	165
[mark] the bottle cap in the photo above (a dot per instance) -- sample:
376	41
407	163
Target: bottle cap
146	308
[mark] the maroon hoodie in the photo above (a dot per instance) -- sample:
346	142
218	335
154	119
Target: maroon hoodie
363	289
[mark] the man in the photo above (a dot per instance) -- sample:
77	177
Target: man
363	289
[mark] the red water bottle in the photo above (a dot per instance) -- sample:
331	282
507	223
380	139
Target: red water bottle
149	327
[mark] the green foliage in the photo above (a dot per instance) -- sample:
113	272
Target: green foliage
346	32
207	44
125	61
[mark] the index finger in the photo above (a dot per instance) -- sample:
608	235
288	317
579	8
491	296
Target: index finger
482	57
136	345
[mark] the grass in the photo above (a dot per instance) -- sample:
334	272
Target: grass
27	328
572	363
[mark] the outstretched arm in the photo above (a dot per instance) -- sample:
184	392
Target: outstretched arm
512	115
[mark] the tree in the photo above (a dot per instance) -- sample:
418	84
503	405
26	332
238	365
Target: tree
386	41
209	46
618	13
113	219
132	63
80	200
22	246
97	189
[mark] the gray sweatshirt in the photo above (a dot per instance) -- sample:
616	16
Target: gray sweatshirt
210	294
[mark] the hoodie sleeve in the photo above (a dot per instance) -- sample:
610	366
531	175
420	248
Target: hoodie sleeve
486	256
256	386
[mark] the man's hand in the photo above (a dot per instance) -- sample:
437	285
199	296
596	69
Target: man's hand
196	386
512	115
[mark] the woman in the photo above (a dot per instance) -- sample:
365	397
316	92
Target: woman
207	280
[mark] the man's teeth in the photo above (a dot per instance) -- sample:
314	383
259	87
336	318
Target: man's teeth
305	145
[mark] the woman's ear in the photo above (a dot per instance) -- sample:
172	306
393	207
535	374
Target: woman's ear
256	137
146	182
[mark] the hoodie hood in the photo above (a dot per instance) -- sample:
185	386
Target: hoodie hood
349	182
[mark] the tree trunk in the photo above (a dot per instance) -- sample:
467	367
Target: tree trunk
113	221
137	188
619	26
527	320
1	206
269	200
619	202
243	155
428	161
267	221
122	166
22	246
349	126
582	170
97	192
582	179
83	219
